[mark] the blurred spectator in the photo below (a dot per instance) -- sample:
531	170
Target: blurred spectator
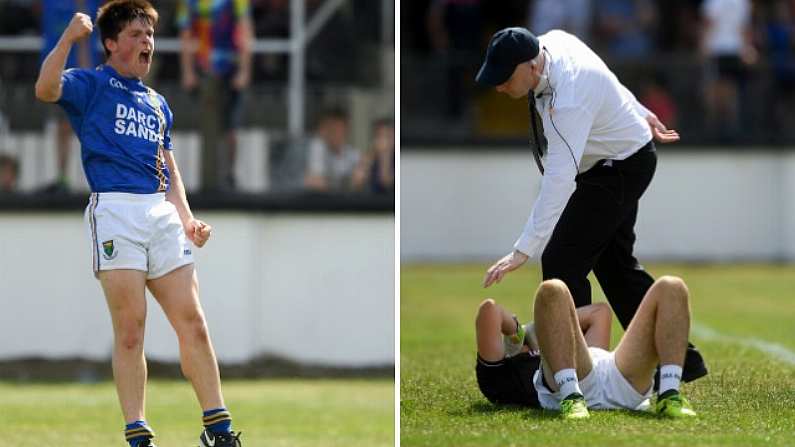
331	160
726	45
627	27
573	16
779	38
218	37
271	20
376	170
654	95
56	15
9	171
454	28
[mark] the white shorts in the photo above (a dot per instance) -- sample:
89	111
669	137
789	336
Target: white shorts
604	388
138	232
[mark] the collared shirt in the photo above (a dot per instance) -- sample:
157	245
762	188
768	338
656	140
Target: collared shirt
123	127
588	116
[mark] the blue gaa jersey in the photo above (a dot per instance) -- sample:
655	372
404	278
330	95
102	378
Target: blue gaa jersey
123	127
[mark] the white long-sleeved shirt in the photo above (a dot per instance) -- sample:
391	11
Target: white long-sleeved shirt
588	116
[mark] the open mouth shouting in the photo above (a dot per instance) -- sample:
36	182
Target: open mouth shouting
145	57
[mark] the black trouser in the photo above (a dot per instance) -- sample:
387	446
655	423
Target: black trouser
596	232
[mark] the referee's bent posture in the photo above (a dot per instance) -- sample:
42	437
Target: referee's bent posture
592	142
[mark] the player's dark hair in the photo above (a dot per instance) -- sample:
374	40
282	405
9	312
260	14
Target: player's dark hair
113	16
335	113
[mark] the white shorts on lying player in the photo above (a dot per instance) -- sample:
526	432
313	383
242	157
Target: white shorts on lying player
604	388
136	231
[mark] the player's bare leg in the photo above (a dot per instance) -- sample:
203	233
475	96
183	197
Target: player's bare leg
657	335
558	330
178	295
125	295
564	352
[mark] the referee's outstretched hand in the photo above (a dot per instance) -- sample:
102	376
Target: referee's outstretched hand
509	263
661	133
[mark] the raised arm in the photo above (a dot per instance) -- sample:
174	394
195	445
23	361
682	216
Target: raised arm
48	85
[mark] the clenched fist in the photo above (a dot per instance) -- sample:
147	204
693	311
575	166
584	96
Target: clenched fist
78	28
197	231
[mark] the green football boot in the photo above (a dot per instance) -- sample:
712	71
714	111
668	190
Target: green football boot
675	406
513	343
574	407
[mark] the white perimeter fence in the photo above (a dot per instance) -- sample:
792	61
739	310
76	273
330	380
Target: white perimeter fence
703	205
314	288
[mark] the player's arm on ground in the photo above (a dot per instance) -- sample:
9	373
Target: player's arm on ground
595	322
196	230
49	83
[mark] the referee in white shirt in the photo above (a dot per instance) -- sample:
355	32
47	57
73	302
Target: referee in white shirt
592	143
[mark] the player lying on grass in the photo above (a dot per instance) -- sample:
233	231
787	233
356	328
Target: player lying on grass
574	371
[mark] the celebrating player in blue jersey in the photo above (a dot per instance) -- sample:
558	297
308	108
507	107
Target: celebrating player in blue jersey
141	226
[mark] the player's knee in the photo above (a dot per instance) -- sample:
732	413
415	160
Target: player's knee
674	285
194	328
551	290
487	308
130	336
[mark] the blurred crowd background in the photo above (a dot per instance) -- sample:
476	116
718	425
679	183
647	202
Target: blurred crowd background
722	72
345	143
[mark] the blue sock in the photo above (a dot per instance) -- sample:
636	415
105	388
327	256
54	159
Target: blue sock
218	420
138	432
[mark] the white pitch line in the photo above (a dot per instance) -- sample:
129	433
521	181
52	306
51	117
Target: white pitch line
774	350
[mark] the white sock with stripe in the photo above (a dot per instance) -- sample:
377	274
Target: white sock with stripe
567	382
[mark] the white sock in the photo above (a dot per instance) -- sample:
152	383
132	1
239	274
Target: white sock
567	382
670	377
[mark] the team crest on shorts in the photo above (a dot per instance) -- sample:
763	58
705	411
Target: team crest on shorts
109	250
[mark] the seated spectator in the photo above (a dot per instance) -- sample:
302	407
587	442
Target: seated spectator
331	160
376	170
9	172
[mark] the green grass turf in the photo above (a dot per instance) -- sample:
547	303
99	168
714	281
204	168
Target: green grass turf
747	400
269	412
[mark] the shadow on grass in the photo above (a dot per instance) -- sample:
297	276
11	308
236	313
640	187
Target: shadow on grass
487	408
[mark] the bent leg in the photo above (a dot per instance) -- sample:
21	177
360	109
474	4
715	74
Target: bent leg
491	323
125	295
558	330
178	295
657	334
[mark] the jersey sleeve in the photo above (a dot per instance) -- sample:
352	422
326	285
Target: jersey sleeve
169	124
77	89
567	132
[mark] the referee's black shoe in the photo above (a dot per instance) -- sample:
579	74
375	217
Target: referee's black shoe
694	367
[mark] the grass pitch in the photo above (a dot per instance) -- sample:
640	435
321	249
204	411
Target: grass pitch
747	400
269	412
